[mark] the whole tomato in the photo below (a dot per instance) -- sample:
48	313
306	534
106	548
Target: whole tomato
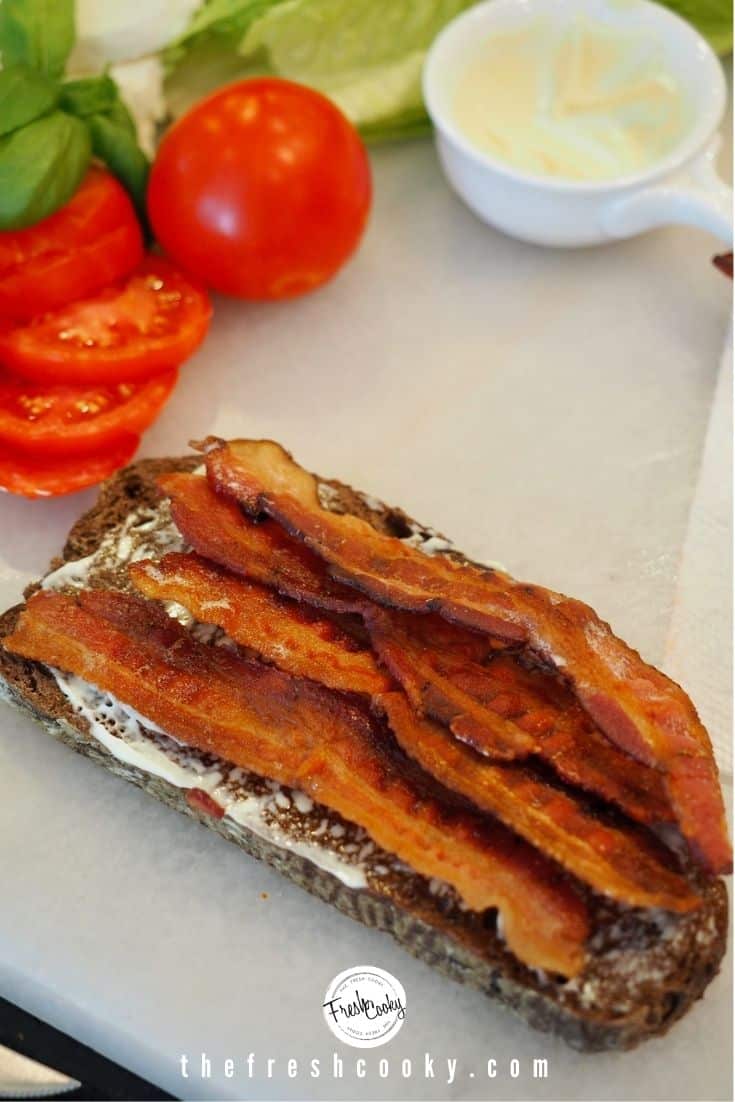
262	190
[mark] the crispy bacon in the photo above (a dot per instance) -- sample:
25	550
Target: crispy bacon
218	529
503	710
290	635
304	736
638	708
616	861
609	861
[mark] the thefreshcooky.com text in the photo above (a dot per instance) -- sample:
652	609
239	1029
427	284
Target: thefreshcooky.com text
444	1069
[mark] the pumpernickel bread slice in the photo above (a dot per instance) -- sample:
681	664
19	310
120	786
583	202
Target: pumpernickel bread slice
645	968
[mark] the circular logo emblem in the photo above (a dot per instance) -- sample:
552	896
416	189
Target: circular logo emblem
365	1006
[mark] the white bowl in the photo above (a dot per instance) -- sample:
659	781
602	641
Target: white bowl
682	187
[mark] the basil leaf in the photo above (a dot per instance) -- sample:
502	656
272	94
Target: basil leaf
120	115
38	33
89	96
114	141
41	166
25	95
112	130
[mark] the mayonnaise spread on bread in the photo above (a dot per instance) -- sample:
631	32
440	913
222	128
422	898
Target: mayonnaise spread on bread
573	99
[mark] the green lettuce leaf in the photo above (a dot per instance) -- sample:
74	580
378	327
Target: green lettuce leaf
366	55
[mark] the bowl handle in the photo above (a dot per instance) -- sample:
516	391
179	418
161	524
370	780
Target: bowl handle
697	197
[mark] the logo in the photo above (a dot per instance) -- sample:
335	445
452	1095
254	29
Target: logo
365	1006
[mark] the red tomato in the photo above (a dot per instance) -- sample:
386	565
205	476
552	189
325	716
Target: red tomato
92	241
136	329
33	476
39	419
262	190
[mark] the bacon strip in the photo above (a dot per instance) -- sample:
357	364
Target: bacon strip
289	635
616	861
502	709
638	708
304	736
219	530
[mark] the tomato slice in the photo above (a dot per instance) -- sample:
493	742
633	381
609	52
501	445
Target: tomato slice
132	330
32	476
62	419
55	279
92	241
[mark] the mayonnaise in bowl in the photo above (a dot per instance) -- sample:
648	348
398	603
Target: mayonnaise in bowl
575	99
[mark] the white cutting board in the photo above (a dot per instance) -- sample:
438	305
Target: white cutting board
544	409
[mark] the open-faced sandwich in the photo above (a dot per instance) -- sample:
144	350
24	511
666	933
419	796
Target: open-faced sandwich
476	765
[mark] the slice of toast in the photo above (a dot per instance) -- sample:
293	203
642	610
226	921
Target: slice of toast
645	968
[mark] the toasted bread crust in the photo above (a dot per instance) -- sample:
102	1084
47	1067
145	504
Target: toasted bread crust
592	1016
